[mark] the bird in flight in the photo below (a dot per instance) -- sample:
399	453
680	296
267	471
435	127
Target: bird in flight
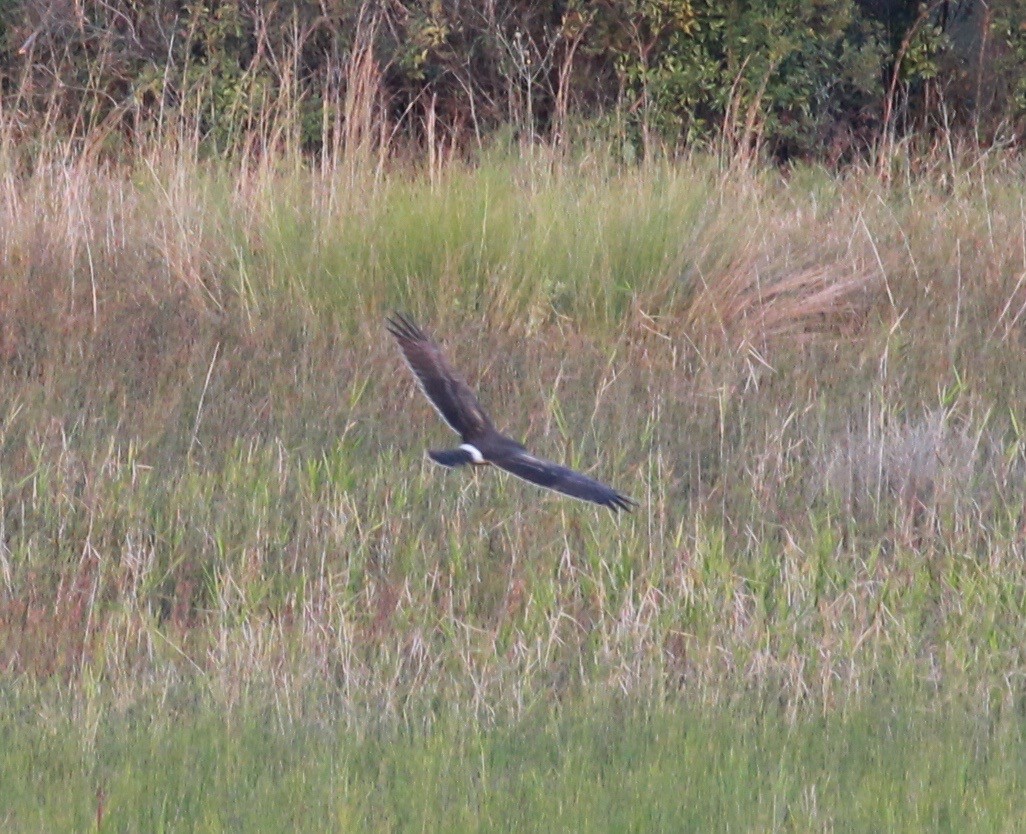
482	442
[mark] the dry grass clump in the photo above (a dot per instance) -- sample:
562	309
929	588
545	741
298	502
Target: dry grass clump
928	469
748	307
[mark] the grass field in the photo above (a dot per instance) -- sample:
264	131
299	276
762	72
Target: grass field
604	766
214	495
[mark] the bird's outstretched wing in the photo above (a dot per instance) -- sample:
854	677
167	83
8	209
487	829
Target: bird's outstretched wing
446	390
553	476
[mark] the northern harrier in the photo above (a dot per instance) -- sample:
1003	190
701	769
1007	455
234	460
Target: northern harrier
482	443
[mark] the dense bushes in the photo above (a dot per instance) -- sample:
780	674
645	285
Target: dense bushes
819	78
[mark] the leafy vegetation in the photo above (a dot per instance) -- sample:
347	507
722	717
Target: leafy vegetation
831	80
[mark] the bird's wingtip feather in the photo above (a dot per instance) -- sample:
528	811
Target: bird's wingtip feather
401	326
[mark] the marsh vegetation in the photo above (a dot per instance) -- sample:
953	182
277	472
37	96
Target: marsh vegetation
234	593
212	457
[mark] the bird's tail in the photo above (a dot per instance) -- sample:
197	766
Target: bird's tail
450	457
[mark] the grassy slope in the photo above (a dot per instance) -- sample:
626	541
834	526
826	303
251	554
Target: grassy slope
211	459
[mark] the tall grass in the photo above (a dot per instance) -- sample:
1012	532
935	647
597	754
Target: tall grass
211	456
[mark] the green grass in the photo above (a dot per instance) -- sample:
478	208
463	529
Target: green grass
894	764
212	475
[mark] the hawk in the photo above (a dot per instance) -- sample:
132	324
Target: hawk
482	443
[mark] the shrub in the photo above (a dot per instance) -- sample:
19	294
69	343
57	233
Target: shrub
817	78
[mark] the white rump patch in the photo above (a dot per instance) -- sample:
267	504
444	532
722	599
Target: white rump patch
475	455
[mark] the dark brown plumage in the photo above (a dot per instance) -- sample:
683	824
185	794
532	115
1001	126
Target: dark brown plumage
482	442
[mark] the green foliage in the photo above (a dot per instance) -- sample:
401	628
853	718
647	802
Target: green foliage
1009	25
230	97
805	79
786	73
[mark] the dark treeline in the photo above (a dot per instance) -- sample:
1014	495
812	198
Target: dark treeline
825	79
